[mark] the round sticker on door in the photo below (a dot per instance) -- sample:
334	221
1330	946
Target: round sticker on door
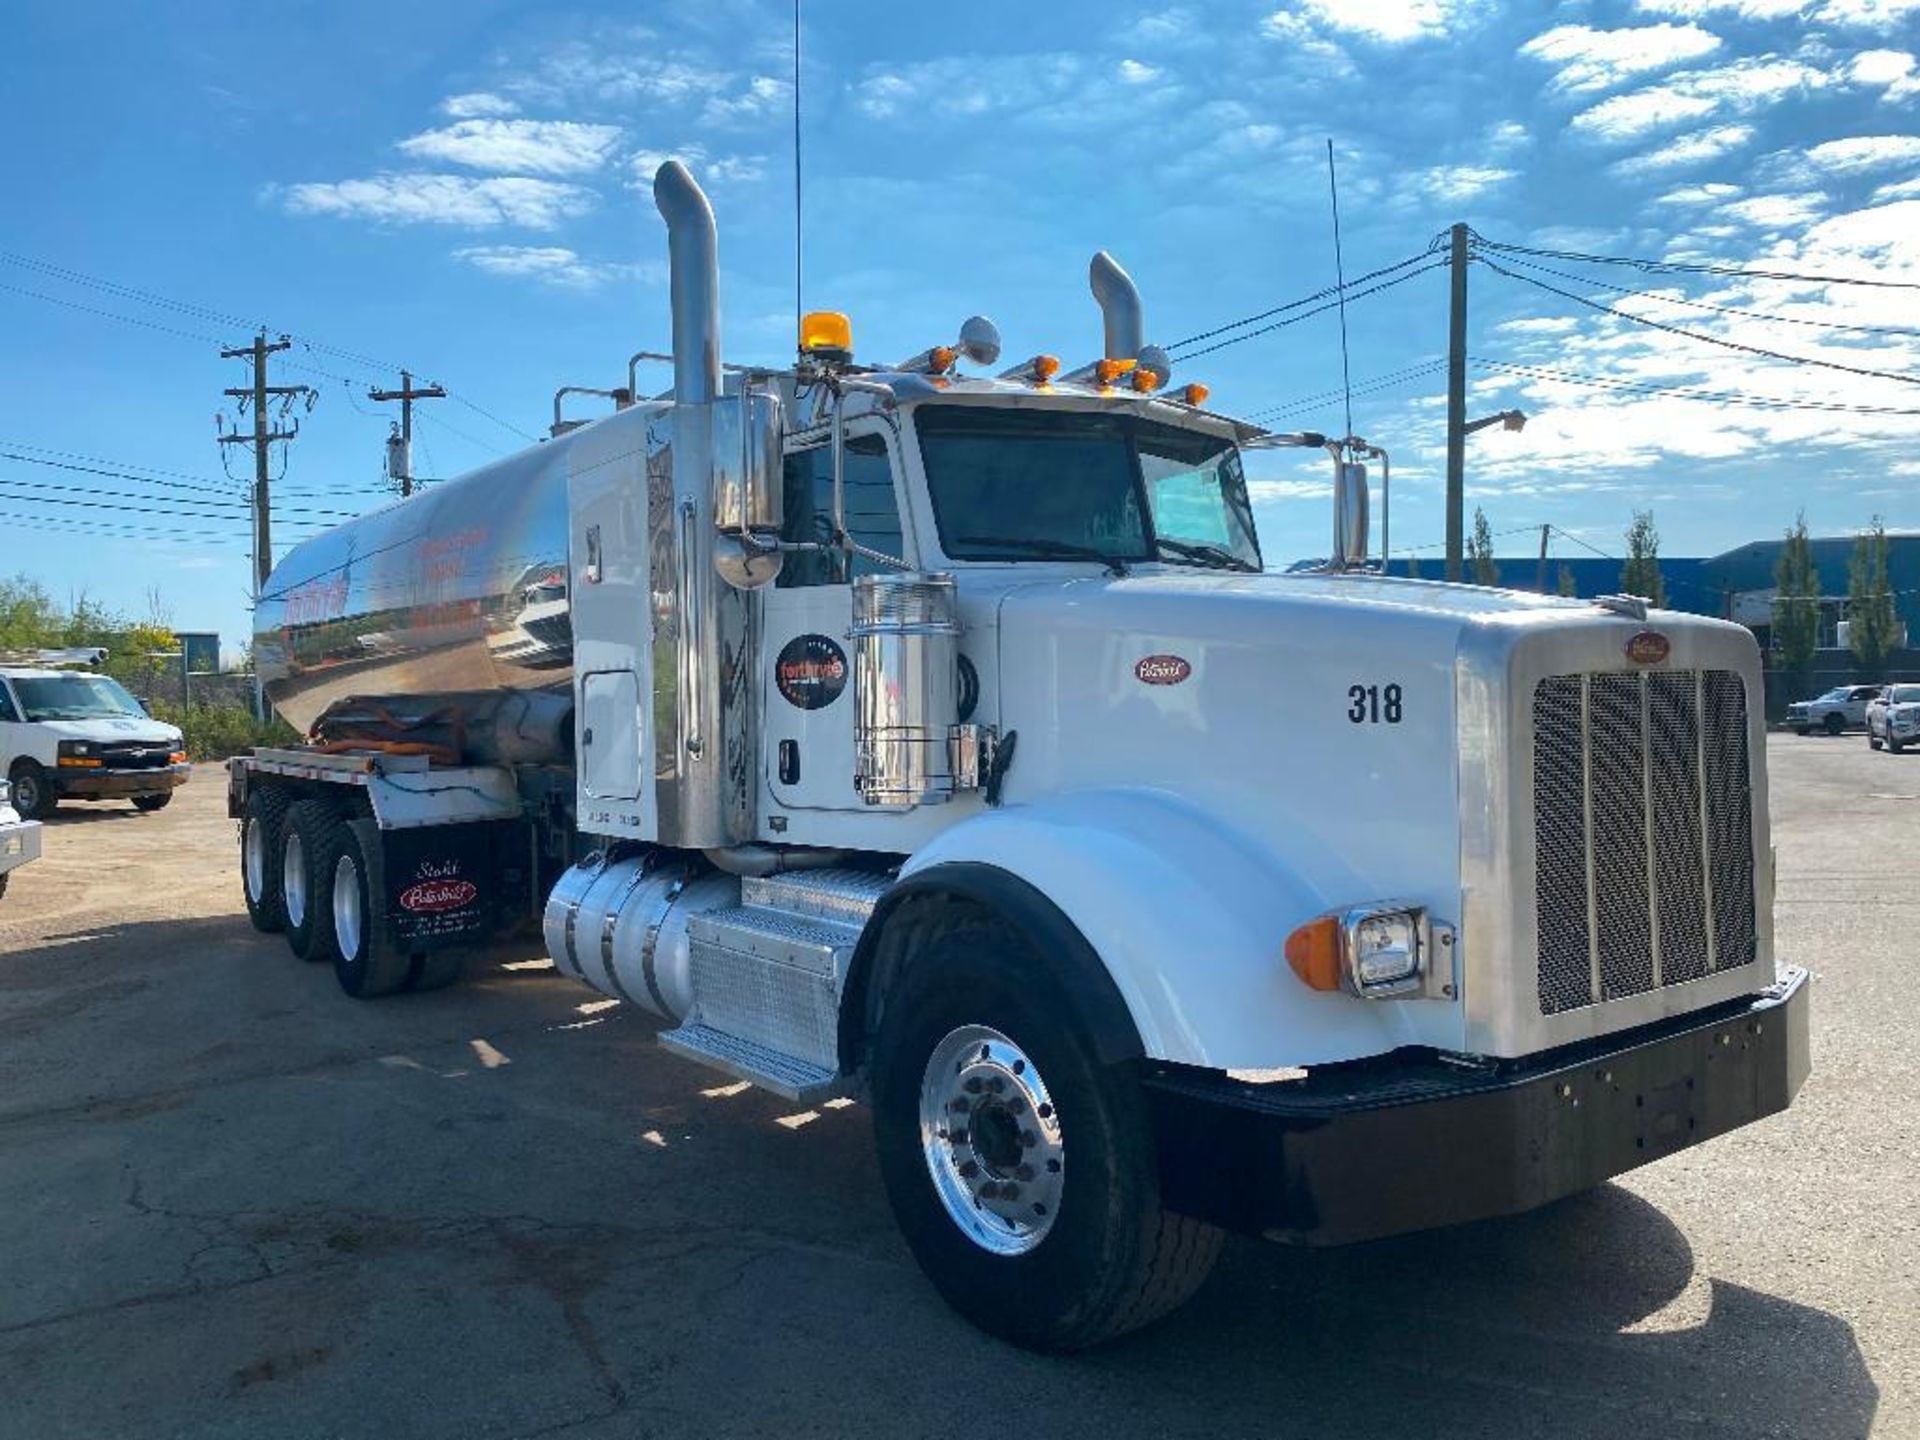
811	671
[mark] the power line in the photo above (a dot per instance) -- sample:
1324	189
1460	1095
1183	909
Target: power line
1682	267
1308	314
110	529
1318	295
1696	335
114	500
1370	385
1720	397
1657	298
234	503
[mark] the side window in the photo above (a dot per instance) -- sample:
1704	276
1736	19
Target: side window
7	712
873	514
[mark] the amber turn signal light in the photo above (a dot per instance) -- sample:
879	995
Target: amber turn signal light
1195	395
1314	952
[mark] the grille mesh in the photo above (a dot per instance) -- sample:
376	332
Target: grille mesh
1643	839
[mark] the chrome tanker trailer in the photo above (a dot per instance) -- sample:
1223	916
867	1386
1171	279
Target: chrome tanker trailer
940	738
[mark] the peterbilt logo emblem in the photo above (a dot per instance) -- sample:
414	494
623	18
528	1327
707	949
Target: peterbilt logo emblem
430	897
1649	647
1162	670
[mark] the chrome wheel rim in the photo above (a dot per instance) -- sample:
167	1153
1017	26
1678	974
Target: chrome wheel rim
26	795
253	859
293	879
348	917
992	1140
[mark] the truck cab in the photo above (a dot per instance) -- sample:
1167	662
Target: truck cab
942	739
73	734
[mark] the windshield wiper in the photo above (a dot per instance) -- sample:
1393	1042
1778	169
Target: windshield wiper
1052	549
1209	555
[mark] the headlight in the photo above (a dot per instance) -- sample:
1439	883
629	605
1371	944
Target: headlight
1377	952
6	792
77	753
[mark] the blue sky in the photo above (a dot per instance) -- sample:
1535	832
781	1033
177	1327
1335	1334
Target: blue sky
461	189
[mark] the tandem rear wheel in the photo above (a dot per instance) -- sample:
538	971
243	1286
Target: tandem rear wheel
1021	1170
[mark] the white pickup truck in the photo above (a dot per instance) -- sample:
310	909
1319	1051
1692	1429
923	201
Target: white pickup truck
1842	708
77	735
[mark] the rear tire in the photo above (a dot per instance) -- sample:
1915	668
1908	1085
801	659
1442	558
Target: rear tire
1873	741
365	961
1068	1258
303	884
33	793
262	833
147	804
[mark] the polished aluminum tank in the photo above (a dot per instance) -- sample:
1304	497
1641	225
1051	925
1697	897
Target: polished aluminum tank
460	588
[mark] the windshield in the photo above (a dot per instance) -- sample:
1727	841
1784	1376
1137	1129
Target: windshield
1835	695
1072	484
1904	695
75	697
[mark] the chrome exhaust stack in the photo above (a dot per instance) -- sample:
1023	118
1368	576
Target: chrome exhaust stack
1119	300
693	264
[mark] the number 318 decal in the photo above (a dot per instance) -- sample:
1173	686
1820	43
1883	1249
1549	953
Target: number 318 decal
1370	704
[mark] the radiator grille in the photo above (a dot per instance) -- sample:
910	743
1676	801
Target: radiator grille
1643	832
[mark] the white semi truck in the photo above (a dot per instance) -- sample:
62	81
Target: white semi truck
942	740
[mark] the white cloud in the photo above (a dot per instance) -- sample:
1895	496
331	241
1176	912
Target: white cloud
1459	182
1135	72
1389	22
1871	13
1859	153
1898	190
413	199
1508	135
1589	59
547	264
1891	68
1744	85
712	171
763	96
477	105
518	147
1694	149
1699	195
1539	325
1775	212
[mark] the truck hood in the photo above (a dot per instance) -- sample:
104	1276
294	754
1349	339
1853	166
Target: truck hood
118	729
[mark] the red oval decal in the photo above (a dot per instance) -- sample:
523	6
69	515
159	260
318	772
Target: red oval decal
1162	670
1649	647
430	897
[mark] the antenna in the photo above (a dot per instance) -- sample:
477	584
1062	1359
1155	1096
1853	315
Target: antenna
1340	275
797	312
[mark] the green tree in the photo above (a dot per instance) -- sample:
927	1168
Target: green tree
1796	602
28	617
1567	585
1872	621
1641	575
1480	551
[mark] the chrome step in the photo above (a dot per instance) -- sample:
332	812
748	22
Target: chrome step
786	1075
779	937
839	897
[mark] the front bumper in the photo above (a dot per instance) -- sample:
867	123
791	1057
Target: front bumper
1361	1151
117	784
19	843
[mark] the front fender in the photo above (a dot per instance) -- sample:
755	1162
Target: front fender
1190	920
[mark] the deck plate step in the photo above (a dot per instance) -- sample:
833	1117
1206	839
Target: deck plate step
839	897
779	936
786	1075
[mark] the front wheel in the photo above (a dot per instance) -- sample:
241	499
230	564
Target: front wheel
33	795
1836	724
147	804
1895	746
1021	1171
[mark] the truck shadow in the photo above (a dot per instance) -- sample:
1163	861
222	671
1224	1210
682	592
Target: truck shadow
1588	1317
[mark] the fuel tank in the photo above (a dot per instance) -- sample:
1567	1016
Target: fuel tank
460	588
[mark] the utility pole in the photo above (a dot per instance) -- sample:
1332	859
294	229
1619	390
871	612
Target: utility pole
1457	403
1540	577
262	437
406	395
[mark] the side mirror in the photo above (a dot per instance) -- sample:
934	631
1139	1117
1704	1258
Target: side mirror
749	501
1349	516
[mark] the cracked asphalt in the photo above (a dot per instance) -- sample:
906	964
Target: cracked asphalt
238	1204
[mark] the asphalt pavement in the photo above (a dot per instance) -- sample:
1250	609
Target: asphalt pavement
238	1204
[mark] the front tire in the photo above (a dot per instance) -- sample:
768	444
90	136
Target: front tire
33	793
147	804
1894	747
985	1091
1836	724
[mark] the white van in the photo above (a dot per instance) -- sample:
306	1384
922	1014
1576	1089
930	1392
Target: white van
75	735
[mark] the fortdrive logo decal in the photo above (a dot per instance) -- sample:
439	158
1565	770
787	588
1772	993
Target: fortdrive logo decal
1162	670
811	671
